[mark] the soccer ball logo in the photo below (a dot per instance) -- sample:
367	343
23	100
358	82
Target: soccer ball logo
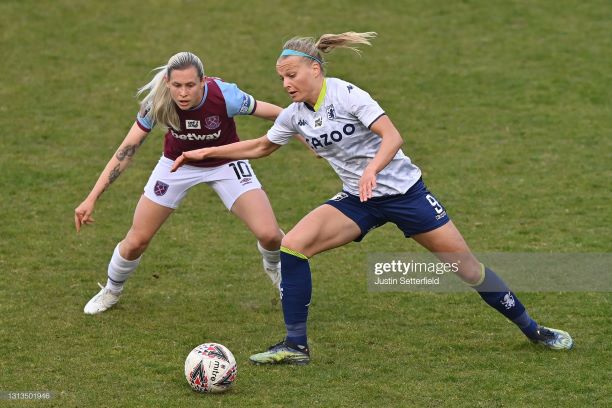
210	367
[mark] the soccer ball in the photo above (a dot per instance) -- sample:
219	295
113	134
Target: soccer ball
210	367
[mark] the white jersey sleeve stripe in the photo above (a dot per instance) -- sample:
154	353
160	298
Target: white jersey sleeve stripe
374	121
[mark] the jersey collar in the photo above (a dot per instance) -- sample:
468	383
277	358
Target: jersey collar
321	97
203	98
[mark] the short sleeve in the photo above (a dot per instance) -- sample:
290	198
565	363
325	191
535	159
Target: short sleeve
144	119
362	106
283	130
237	102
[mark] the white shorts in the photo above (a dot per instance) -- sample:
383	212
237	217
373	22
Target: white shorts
229	180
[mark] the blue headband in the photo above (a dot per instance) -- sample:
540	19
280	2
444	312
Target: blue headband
287	51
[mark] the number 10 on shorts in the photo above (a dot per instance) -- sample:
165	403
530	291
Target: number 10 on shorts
242	169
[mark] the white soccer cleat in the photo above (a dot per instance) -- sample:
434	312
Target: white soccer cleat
274	272
104	300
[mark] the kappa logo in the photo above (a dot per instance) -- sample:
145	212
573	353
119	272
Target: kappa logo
192	124
441	215
340	196
331	112
301	122
212	122
508	301
350	88
160	188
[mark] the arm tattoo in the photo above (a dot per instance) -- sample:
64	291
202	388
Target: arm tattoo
127	151
114	174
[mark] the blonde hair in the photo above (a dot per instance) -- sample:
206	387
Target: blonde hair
328	42
157	98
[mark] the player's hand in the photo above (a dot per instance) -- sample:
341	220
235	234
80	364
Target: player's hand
367	183
82	214
192	155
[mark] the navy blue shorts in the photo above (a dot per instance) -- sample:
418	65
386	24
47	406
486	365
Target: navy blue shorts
414	212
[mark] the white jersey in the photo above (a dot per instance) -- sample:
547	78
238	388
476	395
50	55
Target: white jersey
338	129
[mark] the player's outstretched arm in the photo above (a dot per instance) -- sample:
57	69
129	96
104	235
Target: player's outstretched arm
247	149
267	110
391	143
115	166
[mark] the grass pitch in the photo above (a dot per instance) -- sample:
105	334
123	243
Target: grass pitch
504	105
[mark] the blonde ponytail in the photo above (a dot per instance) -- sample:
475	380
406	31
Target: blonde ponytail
326	43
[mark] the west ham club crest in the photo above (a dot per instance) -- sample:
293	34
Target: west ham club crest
160	188
212	122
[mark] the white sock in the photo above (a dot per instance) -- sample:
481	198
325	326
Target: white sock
272	257
119	270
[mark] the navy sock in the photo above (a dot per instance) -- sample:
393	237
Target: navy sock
296	290
498	295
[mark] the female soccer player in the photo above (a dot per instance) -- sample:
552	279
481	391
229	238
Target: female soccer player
344	125
198	112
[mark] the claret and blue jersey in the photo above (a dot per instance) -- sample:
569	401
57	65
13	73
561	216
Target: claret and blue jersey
209	124
338	129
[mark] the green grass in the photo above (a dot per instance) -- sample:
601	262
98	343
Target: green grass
506	105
